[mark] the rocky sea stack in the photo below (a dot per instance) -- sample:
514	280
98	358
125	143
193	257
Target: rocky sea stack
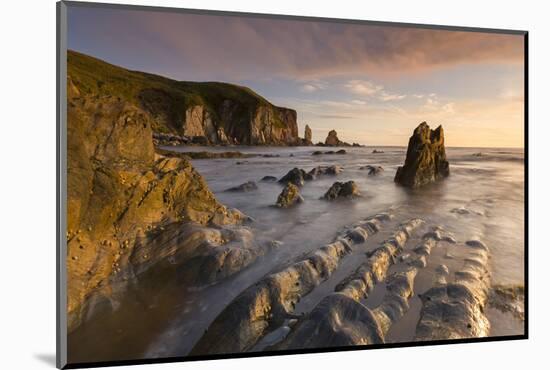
307	136
332	139
426	160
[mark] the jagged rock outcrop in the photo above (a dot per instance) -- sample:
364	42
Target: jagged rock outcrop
206	113
289	197
426	160
342	190
296	176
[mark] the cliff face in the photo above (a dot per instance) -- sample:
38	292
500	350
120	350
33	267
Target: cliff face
121	195
206	112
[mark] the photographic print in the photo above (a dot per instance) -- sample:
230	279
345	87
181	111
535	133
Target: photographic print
242	184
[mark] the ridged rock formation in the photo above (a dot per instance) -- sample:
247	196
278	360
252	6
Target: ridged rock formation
269	302
199	112
426	160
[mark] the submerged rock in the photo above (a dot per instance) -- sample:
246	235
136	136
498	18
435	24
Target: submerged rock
268	178
508	298
341	319
203	154
342	190
289	196
426	160
296	176
324	170
376	151
329	152
247	186
373	170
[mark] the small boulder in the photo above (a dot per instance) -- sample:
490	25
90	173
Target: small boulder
247	186
342	190
324	170
289	196
376	151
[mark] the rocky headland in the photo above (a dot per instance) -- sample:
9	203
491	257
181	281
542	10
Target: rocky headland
182	112
134	215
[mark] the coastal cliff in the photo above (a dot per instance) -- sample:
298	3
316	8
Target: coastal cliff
208	113
134	215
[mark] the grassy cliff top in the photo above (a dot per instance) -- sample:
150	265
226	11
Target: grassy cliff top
94	76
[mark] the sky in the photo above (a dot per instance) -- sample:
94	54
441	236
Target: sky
373	84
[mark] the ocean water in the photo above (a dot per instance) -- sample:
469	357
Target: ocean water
483	199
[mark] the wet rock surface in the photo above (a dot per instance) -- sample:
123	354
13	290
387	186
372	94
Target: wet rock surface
508	298
456	310
136	215
296	176
289	197
340	190
341	319
271	301
324	170
426	160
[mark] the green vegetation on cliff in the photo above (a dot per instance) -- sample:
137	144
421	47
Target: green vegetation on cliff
167	99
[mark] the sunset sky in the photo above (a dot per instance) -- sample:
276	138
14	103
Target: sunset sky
373	84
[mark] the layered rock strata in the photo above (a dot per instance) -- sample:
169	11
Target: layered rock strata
269	302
